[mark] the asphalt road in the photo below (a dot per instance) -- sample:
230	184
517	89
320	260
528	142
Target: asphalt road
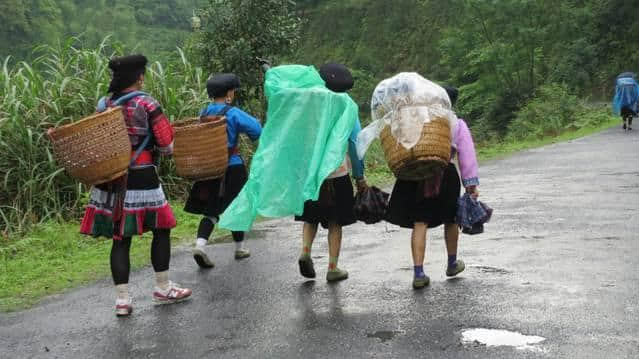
559	261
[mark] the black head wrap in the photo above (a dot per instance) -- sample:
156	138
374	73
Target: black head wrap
337	77
218	85
453	93
126	71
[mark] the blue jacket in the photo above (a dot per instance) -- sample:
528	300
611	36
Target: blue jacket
237	122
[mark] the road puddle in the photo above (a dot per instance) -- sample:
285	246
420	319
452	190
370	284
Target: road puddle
498	338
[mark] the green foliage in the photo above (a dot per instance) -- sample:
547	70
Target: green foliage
553	111
63	84
153	27
521	66
595	119
54	257
498	52
235	33
549	113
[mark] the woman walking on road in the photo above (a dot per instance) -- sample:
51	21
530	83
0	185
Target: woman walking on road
210	198
136	203
415	205
626	100
334	208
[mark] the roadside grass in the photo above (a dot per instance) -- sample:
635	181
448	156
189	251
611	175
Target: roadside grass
54	257
499	150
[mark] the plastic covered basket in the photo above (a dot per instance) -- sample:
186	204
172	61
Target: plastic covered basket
413	118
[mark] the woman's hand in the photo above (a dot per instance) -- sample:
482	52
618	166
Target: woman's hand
473	191
361	185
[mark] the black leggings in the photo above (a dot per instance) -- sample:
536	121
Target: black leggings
206	228
628	120
121	261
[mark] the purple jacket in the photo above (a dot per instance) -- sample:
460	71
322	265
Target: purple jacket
464	147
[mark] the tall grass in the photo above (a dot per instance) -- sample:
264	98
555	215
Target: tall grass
62	85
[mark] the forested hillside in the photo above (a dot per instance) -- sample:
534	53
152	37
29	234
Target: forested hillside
502	53
152	26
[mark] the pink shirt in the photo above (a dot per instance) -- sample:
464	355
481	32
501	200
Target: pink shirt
464	147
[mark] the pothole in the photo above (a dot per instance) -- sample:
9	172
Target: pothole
384	335
499	338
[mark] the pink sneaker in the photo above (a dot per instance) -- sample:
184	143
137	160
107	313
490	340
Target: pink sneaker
172	295
123	308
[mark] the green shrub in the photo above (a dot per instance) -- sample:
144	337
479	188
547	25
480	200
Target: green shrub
552	110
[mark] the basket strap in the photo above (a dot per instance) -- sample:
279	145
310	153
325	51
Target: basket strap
225	110
103	104
235	150
141	148
129	96
222	112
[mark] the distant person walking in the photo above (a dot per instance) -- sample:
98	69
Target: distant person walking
626	100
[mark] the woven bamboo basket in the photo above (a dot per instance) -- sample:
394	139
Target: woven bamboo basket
201	148
95	149
432	152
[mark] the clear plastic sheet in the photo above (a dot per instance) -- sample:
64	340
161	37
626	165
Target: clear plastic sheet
405	102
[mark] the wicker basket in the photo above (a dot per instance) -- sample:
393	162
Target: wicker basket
201	148
432	152
94	150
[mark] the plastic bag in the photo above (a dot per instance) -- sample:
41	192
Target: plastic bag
472	214
371	205
303	142
405	102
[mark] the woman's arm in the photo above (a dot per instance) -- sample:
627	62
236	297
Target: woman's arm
467	157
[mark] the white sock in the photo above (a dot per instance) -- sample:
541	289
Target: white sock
200	242
162	280
122	291
239	245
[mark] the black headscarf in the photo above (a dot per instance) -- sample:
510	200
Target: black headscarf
337	77
126	71
218	85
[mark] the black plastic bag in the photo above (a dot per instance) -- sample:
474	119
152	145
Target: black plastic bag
371	205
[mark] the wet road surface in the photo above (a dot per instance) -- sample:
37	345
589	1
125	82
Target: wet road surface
559	261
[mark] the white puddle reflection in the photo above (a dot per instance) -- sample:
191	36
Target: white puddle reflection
496	338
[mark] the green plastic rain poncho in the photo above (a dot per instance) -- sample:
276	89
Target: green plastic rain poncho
303	142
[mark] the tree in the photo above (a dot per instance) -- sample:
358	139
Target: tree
234	34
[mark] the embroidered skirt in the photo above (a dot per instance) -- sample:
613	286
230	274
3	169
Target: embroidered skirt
140	208
409	205
211	197
335	204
